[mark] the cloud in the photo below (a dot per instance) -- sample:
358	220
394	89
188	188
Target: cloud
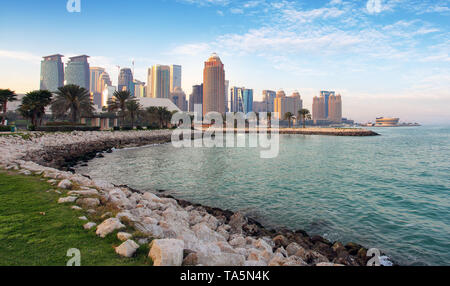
374	6
21	56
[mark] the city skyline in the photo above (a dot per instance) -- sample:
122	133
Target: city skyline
388	59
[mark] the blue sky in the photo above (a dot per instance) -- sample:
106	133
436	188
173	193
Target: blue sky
386	57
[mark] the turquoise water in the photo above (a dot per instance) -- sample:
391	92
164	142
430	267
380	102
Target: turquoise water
391	192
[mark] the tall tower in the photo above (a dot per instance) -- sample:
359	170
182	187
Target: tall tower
95	73
159	82
77	71
126	81
213	85
52	73
175	77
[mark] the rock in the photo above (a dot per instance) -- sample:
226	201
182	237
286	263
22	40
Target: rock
149	229
205	234
83	218
190	260
143	240
90	192
124	236
338	247
295	261
280	240
127	249
293	248
89	225
328	264
108	226
282	251
225	247
238	241
65	184
352	248
222	259
166	252
237	221
88	202
67	200
263	245
255	263
107	214
277	260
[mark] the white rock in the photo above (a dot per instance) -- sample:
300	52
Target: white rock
149	229
124	236
204	233
89	225
127	249
83	218
89	192
65	184
263	245
222	259
238	241
255	263
166	252
67	200
88	202
328	264
108	226
77	208
293	248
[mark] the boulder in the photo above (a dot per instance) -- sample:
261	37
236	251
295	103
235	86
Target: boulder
237	221
295	261
280	240
65	184
70	199
90	192
262	245
277	260
293	248
88	202
108	226
83	218
89	225
77	208
127	249
149	229
238	241
205	234
328	264
221	259
124	236
190	260
255	263
166	252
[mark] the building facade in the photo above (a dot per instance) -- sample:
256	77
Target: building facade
175	77
125	82
179	98
237	99
214	85
78	72
52	73
284	104
196	97
248	100
139	88
95	73
159	82
327	108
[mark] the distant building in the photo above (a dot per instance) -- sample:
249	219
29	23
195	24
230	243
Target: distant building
95	73
327	108
269	99
158	102
179	98
159	82
227	98
139	88
196	97
77	71
107	94
175	77
387	122
284	104
126	82
248	100
259	106
237	99
214	85
52	73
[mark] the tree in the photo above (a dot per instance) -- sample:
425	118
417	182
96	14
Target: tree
304	114
34	104
269	118
162	114
133	107
73	99
288	116
6	95
118	103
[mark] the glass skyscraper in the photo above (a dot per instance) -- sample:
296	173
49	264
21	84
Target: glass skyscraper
77	71
326	95
52	73
175	77
248	100
126	81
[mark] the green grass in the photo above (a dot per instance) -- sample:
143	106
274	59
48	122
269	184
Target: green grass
29	238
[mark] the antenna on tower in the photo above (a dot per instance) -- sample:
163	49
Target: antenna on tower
132	63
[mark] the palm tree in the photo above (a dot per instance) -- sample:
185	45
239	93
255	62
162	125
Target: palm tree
288	116
74	99
304	114
269	118
152	111
6	95
34	104
118	102
133	107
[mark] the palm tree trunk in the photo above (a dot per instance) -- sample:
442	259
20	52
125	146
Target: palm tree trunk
4	112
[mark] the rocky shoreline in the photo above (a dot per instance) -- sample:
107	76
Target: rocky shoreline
179	232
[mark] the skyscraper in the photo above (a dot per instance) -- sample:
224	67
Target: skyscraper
284	104
326	95
335	108
179	98
227	100
327	107
159	82
237	99
139	88
269	98
77	71
196	97
175	77
213	85
95	73
126	81
52	73
248	100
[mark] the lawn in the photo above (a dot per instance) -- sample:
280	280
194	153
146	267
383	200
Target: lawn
28	237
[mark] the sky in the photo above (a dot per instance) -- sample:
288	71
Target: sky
385	57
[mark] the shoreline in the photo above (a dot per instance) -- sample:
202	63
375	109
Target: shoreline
230	232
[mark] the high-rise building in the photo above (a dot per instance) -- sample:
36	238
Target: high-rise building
108	94
139	88
77	71
126	82
327	107
284	104
237	99
52	73
227	100
248	100
95	73
214	85
175	77
159	82
179	98
269	98
103	81
196	97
